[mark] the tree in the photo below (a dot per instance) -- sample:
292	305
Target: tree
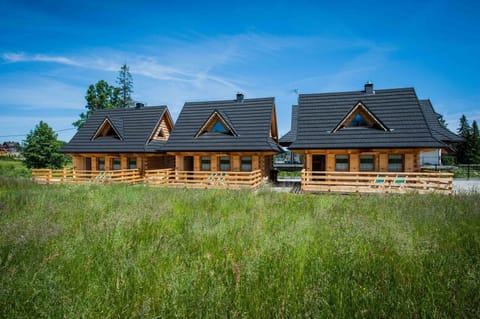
99	96
475	144
125	82
442	121
462	148
41	147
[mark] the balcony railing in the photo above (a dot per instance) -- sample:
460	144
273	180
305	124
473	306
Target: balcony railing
377	182
203	179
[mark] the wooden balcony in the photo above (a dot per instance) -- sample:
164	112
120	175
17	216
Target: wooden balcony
377	182
60	176
203	179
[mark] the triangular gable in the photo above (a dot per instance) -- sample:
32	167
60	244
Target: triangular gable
217	123
163	128
360	116
111	128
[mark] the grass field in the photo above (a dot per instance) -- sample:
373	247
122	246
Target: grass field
13	167
138	252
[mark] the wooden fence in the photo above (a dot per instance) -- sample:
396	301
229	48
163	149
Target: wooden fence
377	182
203	179
52	176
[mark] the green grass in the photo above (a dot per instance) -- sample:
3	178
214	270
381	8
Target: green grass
12	167
138	252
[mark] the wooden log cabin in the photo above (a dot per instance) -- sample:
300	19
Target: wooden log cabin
368	131
122	139
225	141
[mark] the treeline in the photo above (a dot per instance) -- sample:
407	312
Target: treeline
468	151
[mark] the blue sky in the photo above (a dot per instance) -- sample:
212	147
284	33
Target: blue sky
50	51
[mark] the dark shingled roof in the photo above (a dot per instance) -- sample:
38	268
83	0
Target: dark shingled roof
250	119
288	138
135	126
398	109
439	132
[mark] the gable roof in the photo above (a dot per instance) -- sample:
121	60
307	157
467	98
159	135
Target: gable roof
110	122
216	117
439	132
134	127
360	109
291	135
398	109
251	120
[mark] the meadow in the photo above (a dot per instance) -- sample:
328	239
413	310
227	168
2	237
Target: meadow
120	251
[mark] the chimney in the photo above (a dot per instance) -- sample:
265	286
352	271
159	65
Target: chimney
240	97
139	105
369	88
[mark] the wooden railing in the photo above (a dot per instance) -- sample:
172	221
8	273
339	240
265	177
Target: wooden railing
377	182
203	179
51	176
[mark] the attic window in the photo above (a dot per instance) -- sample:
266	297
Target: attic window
218	127
106	129
162	131
360	117
216	124
358	121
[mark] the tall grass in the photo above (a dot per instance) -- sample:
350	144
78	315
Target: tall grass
121	251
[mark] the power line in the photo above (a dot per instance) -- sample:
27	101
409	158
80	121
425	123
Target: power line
17	135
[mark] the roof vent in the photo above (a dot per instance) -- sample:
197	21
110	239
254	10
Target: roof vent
369	88
139	105
240	97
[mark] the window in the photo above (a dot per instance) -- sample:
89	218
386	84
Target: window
224	163
101	163
205	163
395	163
116	164
132	162
246	163
367	163
358	121
341	163
219	128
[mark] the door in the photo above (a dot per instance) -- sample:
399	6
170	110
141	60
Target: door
88	163
318	163
188	166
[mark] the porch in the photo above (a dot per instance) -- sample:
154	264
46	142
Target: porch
376	182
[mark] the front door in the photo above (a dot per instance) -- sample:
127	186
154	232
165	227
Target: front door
188	163
318	163
88	163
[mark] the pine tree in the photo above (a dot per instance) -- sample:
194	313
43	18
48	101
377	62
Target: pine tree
99	96
442	121
475	144
463	148
125	82
41	147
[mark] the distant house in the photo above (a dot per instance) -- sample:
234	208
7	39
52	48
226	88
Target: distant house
9	147
237	135
120	139
365	131
440	132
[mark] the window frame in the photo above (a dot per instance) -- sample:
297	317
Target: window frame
372	163
402	158
220	158
347	163
101	163
202	162
129	163
116	162
242	163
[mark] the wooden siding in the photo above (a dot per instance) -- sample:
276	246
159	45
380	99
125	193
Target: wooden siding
411	158
144	161
260	161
